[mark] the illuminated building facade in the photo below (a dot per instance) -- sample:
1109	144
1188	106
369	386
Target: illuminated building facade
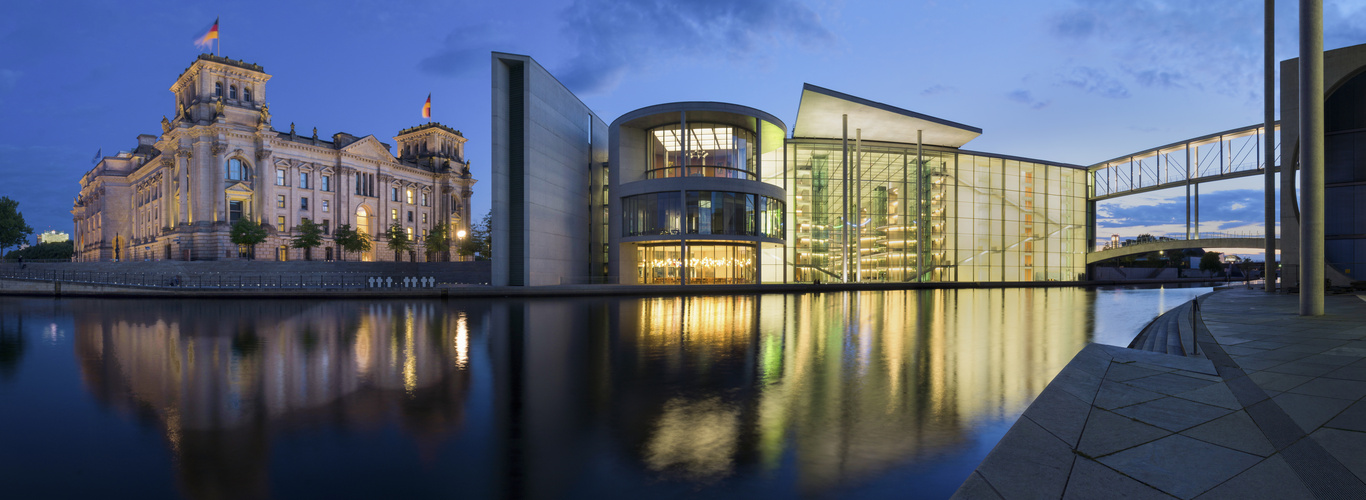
176	195
860	191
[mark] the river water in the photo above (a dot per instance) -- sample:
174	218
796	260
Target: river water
837	395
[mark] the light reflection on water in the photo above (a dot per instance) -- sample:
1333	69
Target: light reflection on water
839	394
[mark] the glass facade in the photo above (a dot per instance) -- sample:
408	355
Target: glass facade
944	215
708	263
706	150
708	213
652	214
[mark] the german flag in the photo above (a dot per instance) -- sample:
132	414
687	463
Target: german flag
427	108
206	40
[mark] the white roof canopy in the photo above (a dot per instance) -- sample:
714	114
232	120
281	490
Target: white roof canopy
821	111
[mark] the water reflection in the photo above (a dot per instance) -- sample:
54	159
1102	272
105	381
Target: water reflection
847	386
733	396
11	343
221	378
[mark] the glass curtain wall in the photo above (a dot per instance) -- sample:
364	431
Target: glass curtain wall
952	217
1016	220
706	150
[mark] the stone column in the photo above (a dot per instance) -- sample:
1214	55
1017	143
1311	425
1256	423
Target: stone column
1269	134
1311	157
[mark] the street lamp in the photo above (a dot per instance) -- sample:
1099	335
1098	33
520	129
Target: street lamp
460	240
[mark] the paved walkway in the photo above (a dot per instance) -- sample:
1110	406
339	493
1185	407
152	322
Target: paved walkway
1271	407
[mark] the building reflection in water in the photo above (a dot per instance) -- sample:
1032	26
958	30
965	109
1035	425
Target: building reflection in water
848	384
222	377
813	393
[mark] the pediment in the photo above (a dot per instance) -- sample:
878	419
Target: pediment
239	188
370	147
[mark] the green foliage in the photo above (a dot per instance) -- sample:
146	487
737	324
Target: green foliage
351	240
480	240
438	240
247	232
1210	262
61	250
13	230
398	240
308	235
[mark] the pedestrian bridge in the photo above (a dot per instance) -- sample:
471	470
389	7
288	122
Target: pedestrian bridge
1205	241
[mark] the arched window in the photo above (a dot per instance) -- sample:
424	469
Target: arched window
218	89
232	92
246	94
235	169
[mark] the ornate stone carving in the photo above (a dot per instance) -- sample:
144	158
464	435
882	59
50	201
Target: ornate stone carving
218	148
218	108
165	125
265	114
184	153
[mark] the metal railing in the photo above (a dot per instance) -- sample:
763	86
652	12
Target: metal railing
228	281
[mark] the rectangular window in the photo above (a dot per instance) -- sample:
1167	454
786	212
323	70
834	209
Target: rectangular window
410	216
393	194
303	180
279	177
393	213
410	232
303	203
358	184
234	211
326	227
324	206
410	197
327	183
424	218
280	201
424	199
280	223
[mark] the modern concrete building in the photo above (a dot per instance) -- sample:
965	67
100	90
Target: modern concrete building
176	195
717	193
1344	83
548	155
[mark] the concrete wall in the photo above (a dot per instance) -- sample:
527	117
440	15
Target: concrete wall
1339	65
541	217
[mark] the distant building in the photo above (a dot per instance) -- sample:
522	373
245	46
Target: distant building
176	195
53	236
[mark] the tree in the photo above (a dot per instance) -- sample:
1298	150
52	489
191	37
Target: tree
13	230
438	241
480	240
247	232
1210	262
351	240
309	236
60	250
398	241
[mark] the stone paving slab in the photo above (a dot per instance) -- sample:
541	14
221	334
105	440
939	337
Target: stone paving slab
1274	406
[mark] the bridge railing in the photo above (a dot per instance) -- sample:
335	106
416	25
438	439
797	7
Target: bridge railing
1224	155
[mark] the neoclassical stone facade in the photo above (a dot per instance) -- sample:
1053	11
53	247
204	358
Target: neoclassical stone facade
176	195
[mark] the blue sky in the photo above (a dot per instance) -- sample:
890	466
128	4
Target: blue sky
1076	81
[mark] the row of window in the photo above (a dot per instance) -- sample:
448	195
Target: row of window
232	92
280	202
704	212
394	196
393	216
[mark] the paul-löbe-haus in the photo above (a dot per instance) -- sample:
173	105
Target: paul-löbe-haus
175	196
716	193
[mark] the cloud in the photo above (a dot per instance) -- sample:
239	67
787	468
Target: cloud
1235	210
1027	98
466	49
1210	45
938	89
614	37
1095	81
